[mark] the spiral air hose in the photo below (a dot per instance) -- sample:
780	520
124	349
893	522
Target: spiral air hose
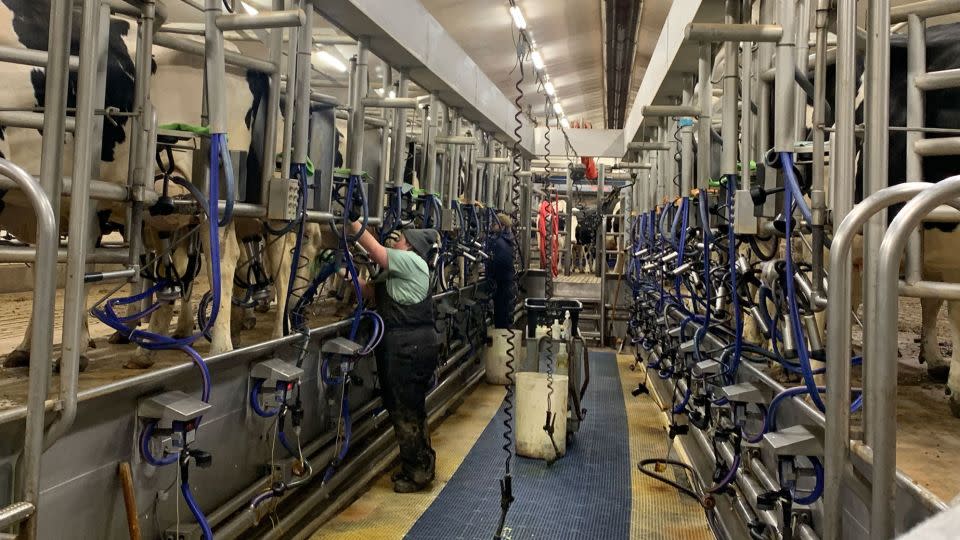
506	483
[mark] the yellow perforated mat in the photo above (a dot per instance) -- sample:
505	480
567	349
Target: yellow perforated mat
382	514
658	510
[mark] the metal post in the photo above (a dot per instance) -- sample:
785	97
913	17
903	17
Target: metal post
216	67
424	141
876	157
705	95
764	60
875	170
568	262
300	119
91	86
140	165
802	52
728	163
843	156
686	142
746	97
55	104
818	194
526	211
400	134
452	185
602	253
41	337
358	91
916	104
287	146
600	244
269	164
430	147
785	84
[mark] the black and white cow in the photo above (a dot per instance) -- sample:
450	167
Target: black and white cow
176	87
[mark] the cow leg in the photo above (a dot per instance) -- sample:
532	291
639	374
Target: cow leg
953	381
229	255
20	356
278	256
937	366
185	321
159	324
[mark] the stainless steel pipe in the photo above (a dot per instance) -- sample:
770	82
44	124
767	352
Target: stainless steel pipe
265	20
390	103
31	57
729	125
881	393
705	125
41	350
196	47
32	120
661	111
876	169
784	118
93	51
650	145
924	9
726	32
400	132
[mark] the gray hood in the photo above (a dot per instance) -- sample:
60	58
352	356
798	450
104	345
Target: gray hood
423	241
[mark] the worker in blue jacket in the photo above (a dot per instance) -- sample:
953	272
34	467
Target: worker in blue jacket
500	270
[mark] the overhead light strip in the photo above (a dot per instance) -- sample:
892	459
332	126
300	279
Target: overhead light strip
538	63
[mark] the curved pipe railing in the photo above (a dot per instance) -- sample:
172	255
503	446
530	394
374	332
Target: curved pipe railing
839	306
44	291
882	387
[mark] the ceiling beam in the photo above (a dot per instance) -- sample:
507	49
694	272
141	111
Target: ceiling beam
672	57
621	21
405	35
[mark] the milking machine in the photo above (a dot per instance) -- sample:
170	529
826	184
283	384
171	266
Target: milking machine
702	271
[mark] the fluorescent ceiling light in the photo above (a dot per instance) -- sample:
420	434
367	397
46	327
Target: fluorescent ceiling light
379	92
548	86
393	93
537	59
564	122
518	17
249	9
557	108
331	61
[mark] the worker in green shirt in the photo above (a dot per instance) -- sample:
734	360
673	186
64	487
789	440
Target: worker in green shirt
408	354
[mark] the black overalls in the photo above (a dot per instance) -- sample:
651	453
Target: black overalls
500	274
406	360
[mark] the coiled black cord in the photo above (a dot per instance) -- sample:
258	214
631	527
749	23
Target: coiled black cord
506	484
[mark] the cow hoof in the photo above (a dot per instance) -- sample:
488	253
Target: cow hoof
84	363
118	339
138	362
17	358
955	404
248	323
938	374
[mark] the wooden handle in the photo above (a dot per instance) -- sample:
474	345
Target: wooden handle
130	500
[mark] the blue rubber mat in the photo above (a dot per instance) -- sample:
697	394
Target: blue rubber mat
586	494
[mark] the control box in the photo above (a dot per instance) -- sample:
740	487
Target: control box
282	199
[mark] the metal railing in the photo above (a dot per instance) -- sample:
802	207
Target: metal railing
44	292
